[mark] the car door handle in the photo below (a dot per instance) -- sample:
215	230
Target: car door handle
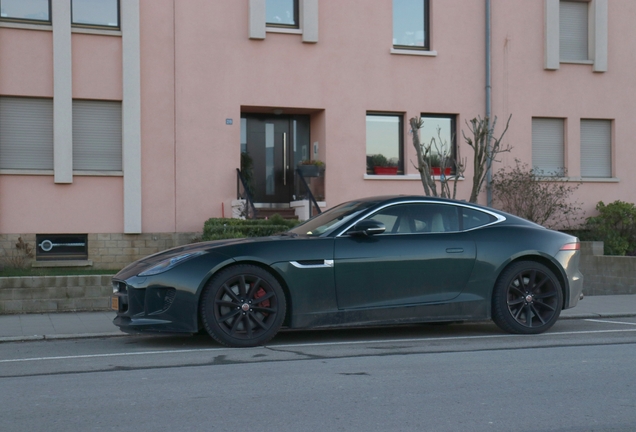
454	250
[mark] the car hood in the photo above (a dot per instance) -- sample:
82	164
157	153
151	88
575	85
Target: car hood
214	246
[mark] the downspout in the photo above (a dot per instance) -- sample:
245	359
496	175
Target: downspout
488	104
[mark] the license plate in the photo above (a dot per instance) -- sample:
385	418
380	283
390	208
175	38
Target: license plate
114	302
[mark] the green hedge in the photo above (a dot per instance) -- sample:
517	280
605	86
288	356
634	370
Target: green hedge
221	228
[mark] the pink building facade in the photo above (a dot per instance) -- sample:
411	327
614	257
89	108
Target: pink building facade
126	124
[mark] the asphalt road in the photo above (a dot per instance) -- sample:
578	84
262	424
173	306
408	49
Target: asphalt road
580	376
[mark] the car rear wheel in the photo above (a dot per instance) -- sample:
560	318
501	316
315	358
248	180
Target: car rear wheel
527	298
243	306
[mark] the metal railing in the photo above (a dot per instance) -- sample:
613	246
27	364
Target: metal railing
312	201
243	192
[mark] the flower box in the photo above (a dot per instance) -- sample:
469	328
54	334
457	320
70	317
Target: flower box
378	170
438	171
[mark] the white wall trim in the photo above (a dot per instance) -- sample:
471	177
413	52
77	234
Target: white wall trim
552	49
308	14
62	92
599	31
131	115
414	52
257	18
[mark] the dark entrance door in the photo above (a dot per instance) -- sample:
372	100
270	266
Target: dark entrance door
275	144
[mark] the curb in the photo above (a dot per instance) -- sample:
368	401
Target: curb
61	336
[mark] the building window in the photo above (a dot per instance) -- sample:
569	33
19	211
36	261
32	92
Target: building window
385	138
281	13
438	132
26	133
38	11
410	24
576	32
548	146
596	148
95	13
573	31
97	136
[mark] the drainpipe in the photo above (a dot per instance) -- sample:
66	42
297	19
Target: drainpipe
488	103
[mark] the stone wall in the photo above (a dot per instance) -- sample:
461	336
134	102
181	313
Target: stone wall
606	274
55	293
603	275
105	251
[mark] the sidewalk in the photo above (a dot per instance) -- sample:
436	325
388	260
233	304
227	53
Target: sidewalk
100	324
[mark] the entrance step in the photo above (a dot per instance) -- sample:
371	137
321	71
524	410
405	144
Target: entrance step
286	213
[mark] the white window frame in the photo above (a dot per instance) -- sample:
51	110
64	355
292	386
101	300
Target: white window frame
597	35
307	21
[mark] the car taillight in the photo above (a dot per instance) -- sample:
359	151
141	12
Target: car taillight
571	246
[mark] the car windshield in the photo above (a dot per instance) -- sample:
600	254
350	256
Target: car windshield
332	218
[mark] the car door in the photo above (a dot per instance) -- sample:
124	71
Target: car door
422	257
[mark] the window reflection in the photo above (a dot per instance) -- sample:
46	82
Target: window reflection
270	187
30	10
102	13
410	23
384	144
439	134
282	13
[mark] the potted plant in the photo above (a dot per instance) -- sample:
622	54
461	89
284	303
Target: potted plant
383	166
435	162
311	168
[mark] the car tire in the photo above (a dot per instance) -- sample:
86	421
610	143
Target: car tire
527	298
243	306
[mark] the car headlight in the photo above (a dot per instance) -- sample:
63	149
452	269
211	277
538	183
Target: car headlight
169	263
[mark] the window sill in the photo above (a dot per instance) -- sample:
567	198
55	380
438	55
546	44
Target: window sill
50	173
99	173
580	179
62	263
96	31
414	52
283	30
401	177
26	26
583	62
596	179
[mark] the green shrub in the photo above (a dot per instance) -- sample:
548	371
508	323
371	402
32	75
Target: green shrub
222	228
615	226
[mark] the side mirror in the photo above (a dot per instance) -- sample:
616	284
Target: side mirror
367	228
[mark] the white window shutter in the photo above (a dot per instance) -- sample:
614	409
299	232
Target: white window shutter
596	148
97	135
547	145
26	133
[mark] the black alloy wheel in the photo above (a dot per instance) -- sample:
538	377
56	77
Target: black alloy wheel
527	298
243	306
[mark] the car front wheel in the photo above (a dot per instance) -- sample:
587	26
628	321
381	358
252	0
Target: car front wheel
243	306
527	298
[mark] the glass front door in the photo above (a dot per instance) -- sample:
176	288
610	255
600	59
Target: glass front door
274	145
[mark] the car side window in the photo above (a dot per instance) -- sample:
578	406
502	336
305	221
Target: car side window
472	218
418	218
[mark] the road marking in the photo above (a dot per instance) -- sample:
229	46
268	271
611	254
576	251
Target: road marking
88	356
313	344
611	322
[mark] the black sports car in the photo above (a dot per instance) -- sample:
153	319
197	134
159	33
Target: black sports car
372	261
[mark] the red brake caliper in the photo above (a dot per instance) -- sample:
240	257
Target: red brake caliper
260	293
